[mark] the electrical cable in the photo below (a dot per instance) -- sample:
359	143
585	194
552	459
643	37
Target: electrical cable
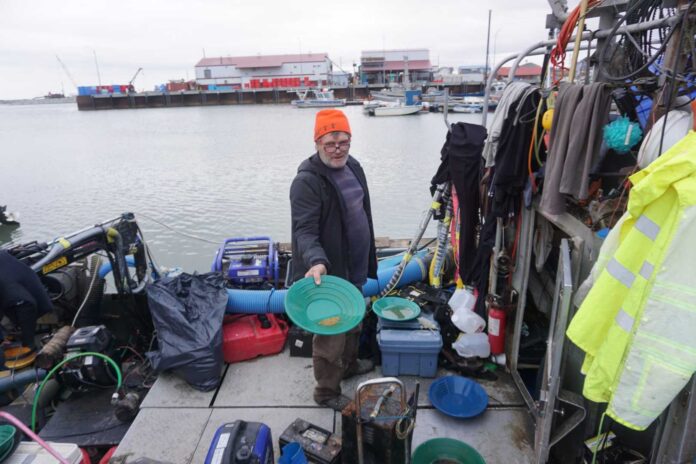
599	431
95	273
558	52
178	231
35	403
636	13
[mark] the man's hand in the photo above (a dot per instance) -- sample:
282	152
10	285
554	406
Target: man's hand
316	272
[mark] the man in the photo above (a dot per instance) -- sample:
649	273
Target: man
332	233
23	298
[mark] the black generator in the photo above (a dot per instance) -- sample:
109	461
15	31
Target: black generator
88	372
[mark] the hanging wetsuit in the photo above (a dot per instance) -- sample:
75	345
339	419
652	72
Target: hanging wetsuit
461	164
23	298
511	172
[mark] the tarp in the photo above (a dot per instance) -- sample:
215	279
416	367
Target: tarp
187	311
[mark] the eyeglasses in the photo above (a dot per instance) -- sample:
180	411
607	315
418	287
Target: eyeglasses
333	147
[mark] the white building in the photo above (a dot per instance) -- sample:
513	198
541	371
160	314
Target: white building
383	66
473	74
235	72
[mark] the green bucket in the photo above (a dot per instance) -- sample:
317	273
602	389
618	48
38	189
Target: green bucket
333	307
394	308
446	450
7	434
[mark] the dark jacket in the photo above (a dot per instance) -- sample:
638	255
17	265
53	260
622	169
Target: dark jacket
20	285
318	225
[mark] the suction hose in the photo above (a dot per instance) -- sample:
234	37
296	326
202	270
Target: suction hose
273	301
434	206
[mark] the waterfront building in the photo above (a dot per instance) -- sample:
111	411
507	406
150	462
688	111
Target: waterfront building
264	71
390	66
475	74
528	72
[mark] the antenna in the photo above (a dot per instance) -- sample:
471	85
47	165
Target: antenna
96	63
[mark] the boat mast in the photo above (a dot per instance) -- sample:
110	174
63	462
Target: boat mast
488	42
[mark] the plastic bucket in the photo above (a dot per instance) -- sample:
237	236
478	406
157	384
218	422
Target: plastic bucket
292	454
446	450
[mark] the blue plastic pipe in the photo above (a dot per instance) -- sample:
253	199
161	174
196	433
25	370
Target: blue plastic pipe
105	268
20	380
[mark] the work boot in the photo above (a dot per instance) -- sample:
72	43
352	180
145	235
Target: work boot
361	366
337	403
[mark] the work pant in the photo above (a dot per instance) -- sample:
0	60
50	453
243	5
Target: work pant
24	317
333	356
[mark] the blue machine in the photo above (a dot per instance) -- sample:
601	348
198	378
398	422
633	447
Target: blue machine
247	260
241	442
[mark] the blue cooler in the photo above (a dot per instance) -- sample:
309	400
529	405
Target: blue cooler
409	352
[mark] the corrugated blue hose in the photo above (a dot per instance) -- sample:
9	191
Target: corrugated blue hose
273	301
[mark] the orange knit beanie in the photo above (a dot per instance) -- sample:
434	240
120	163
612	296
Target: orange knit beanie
330	121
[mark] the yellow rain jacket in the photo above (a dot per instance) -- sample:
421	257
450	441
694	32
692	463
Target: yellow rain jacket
637	324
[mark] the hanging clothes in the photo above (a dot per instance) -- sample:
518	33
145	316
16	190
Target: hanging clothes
510	173
637	323
584	145
461	164
511	95
579	117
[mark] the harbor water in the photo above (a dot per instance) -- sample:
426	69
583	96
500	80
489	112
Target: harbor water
208	172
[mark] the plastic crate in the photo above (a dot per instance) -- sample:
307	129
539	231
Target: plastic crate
409	352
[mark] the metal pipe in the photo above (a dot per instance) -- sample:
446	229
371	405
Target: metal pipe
601	34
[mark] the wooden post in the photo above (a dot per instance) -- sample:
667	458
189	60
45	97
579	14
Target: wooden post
578	39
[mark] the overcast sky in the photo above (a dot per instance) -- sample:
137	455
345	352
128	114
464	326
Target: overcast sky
167	37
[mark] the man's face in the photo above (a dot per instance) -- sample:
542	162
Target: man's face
333	149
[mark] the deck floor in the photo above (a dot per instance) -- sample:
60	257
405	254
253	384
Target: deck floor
176	423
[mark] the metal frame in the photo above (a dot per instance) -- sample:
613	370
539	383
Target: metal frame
569	272
551	393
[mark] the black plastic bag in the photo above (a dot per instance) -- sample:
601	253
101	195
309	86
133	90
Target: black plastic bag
187	311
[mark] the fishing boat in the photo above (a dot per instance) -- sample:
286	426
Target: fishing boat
395	109
467	108
322	99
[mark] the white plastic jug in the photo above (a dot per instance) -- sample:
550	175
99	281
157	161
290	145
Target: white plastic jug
463	316
471	345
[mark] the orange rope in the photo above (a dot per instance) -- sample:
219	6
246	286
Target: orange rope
558	53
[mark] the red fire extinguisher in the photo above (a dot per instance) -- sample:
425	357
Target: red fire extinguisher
496	326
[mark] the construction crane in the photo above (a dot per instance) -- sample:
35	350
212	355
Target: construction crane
65	68
130	83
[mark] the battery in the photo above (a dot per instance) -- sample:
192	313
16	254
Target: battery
319	445
300	342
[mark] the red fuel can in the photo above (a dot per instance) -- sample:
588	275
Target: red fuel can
248	336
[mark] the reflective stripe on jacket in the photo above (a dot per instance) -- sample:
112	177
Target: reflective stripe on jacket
636	324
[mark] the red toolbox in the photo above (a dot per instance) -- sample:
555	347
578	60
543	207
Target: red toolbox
248	336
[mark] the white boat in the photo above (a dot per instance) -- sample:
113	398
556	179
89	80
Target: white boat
395	110
323	99
467	108
372	104
389	95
